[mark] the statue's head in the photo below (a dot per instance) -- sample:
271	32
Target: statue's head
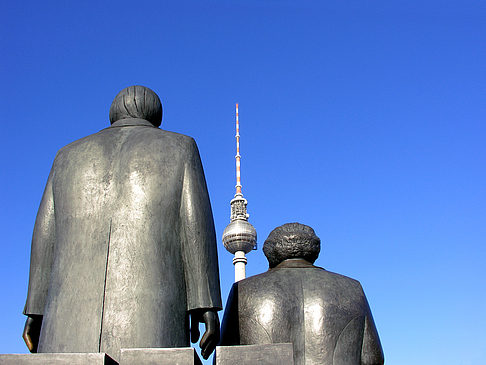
291	241
136	102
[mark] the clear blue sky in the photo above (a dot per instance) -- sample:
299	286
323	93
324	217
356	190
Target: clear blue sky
364	120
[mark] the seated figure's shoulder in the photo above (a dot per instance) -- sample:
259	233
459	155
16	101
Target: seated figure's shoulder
337	276
255	292
271	284
255	282
341	280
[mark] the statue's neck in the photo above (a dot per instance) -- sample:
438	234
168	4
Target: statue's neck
300	263
131	122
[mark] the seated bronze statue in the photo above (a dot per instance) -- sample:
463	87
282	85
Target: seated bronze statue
324	315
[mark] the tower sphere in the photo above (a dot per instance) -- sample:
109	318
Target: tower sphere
239	235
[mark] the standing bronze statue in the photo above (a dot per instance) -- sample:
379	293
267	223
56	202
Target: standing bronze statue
124	247
324	315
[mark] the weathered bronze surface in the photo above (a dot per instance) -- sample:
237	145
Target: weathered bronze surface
174	356
324	315
267	354
57	359
124	245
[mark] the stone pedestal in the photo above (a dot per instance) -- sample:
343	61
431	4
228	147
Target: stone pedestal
271	354
56	359
169	356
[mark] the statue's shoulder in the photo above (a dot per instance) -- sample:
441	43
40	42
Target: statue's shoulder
72	147
139	138
163	137
162	133
335	276
341	283
181	138
251	283
267	281
340	278
251	280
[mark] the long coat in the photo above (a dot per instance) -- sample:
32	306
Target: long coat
124	243
324	315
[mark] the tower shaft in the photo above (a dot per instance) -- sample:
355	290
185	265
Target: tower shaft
240	265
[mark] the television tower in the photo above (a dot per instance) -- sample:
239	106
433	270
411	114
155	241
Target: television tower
239	237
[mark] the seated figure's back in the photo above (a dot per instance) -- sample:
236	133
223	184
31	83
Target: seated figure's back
324	315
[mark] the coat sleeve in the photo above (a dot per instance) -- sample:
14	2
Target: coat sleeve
198	239
41	253
371	350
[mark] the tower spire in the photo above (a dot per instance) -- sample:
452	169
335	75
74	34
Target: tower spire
239	237
238	157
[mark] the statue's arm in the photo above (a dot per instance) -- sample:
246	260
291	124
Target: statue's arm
40	266
371	350
199	252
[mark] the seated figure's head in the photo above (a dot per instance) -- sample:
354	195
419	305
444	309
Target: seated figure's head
136	102
291	241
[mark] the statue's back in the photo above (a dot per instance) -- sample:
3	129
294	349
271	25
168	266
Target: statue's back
123	200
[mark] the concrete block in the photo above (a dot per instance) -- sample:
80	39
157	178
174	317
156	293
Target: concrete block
57	359
169	356
270	354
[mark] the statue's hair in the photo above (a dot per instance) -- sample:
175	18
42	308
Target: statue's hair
136	102
291	241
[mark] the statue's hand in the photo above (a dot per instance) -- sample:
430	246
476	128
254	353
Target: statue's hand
211	337
32	332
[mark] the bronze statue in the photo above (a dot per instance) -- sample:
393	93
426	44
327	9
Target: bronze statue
124	246
324	315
